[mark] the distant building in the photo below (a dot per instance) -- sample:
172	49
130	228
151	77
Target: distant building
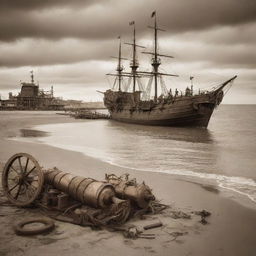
8	104
32	98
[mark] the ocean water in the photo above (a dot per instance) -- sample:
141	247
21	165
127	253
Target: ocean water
224	154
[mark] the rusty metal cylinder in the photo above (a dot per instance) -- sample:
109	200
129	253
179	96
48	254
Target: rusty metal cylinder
140	194
85	190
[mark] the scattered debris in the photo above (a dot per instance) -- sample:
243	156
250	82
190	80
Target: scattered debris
154	225
74	199
133	232
89	114
203	221
83	201
204	214
177	234
179	215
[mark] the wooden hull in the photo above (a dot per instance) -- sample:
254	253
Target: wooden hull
183	111
192	110
189	119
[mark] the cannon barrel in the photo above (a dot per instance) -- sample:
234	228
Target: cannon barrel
85	190
24	170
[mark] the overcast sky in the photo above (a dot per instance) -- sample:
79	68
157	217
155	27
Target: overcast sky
68	43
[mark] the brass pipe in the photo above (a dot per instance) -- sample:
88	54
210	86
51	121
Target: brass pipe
85	190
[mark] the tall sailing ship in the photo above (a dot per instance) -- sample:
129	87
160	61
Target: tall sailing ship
133	104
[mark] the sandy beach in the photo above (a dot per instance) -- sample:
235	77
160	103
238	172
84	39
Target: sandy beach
230	231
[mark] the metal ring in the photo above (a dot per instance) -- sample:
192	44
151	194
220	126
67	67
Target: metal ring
20	230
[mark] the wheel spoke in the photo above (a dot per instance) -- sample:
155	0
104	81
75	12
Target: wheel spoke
20	165
13	188
26	165
12	179
30	171
29	190
26	183
14	169
18	192
30	185
32	180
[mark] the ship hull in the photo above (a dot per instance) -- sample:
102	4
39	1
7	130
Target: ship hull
186	111
180	119
191	110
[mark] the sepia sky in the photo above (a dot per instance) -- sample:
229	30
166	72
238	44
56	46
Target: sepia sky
68	44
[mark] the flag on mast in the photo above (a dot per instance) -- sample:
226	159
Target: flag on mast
132	23
153	14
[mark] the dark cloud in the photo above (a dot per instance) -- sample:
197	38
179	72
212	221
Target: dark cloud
226	56
41	4
69	43
222	35
56	19
29	52
199	14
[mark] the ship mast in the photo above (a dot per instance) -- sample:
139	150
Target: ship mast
134	63
155	60
119	66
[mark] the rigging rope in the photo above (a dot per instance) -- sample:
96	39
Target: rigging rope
114	84
148	89
228	88
163	86
141	86
127	85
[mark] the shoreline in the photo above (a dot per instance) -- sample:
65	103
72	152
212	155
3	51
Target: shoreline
202	179
230	223
204	182
241	199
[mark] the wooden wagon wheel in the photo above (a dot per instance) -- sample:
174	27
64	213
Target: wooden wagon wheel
22	179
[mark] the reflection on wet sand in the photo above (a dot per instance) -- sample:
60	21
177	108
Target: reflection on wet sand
187	134
32	133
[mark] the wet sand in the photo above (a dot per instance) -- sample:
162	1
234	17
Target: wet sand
231	228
